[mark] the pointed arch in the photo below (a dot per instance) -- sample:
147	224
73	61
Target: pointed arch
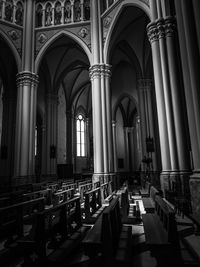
53	39
121	7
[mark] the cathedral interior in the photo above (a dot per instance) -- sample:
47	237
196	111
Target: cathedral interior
99	133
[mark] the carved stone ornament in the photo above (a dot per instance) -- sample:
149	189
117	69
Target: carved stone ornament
152	32
42	38
14	35
83	32
107	22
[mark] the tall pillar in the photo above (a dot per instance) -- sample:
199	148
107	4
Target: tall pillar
190	65
104	121
27	81
107	76
167	99
95	75
180	130
25	128
114	145
160	101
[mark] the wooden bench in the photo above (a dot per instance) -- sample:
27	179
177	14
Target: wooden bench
57	233
149	202
62	196
161	234
144	192
93	205
16	222
109	237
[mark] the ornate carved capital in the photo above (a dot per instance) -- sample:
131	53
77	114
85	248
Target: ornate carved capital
27	78
99	70
161	28
170	26
152	32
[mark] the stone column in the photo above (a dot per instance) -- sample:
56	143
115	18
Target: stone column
180	131
88	142
104	121
190	65
167	99
82	10
3	9
95	75
162	121
43	17
107	76
126	148
114	145
72	10
51	136
27	81
25	127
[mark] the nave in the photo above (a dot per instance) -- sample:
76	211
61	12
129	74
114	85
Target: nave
80	223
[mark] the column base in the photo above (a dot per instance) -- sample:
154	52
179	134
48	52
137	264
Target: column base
98	177
179	183
194	184
165	181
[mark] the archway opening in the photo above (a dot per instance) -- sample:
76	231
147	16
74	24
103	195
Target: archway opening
63	90
132	76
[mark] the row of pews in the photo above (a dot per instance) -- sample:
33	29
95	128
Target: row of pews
47	220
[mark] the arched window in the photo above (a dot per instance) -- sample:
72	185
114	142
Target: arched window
80	136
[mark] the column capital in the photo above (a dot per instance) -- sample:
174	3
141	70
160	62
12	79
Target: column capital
98	70
27	78
152	32
170	26
160	23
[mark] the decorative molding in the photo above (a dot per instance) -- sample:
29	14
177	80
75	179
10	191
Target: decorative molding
107	22
170	26
161	28
27	78
152	32
13	34
43	35
99	70
83	33
42	38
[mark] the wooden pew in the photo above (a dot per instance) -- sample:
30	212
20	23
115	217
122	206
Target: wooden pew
16	222
109	237
145	190
84	188
57	233
93	205
106	192
45	193
161	234
149	202
62	196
